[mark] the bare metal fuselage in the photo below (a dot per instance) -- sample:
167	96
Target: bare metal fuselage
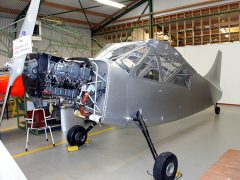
160	102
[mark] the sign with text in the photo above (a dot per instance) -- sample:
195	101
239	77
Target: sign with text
22	46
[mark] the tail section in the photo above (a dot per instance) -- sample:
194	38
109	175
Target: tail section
214	77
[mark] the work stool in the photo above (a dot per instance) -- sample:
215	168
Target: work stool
37	121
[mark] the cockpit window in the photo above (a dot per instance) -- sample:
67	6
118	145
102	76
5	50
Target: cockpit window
157	68
182	79
129	60
126	55
168	67
149	69
113	51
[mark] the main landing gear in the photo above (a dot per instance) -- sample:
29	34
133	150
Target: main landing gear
217	109
166	164
77	135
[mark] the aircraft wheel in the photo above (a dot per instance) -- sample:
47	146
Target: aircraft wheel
76	135
165	166
217	110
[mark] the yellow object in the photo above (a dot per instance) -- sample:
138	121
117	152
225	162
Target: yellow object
178	175
76	148
78	114
50	108
72	148
15	110
88	141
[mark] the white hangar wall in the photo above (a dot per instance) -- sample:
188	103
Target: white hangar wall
43	44
202	57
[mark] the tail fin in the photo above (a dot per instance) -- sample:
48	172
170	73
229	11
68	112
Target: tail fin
214	76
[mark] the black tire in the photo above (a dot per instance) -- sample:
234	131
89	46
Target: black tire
76	135
217	110
165	166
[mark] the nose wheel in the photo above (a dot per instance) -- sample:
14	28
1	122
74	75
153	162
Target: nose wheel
77	135
166	164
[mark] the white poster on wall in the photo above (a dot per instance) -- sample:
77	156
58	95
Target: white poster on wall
22	46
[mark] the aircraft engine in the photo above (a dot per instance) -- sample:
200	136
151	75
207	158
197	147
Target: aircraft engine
56	76
72	79
60	72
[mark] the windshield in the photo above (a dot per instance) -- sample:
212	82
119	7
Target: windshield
126	55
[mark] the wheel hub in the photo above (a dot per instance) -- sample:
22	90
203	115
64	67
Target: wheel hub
170	169
79	137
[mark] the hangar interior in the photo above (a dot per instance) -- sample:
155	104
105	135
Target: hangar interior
93	38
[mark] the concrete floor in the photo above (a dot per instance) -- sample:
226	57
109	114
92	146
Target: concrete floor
198	141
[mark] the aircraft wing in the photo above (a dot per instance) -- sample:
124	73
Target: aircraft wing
18	62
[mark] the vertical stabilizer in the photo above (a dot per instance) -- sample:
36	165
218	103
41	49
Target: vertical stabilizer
214	77
214	74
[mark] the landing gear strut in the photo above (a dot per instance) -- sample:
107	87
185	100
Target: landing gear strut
166	164
77	135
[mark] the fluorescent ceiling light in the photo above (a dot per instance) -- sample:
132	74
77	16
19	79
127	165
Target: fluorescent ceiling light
111	3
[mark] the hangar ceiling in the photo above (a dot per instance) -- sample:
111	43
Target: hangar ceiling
81	13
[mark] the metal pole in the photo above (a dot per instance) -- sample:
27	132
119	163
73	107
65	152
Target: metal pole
151	19
85	14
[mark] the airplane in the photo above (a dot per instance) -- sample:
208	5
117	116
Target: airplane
128	84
